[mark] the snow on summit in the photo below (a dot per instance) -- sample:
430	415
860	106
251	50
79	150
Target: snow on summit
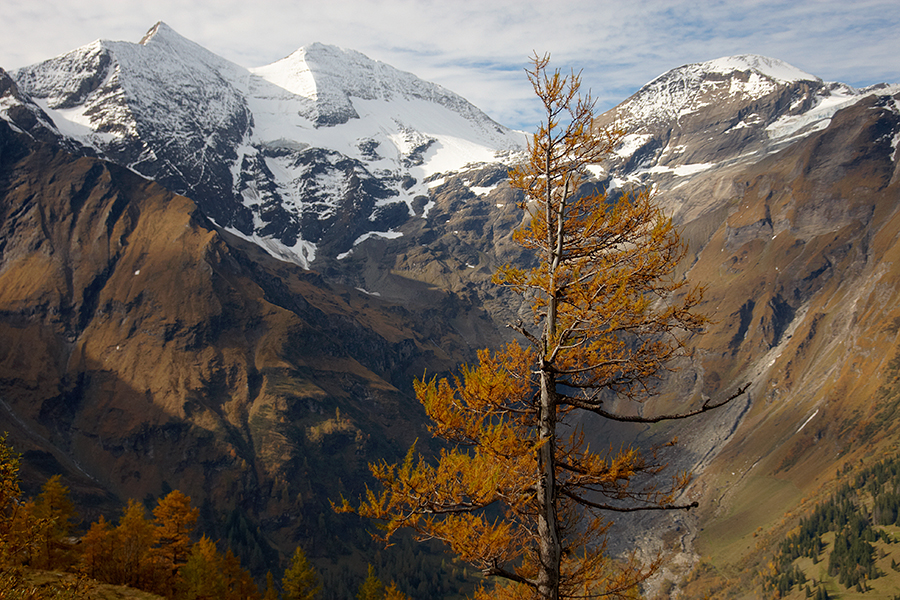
326	148
698	118
278	154
763	65
689	88
372	111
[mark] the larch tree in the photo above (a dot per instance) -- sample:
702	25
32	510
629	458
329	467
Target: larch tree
98	551
239	583
208	574
55	513
134	537
9	483
14	536
518	492
174	521
202	576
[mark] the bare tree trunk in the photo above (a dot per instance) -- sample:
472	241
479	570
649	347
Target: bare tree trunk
549	544
550	552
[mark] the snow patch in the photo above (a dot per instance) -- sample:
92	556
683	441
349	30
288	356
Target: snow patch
807	421
816	118
479	190
895	143
75	124
631	143
302	253
748	121
680	170
389	234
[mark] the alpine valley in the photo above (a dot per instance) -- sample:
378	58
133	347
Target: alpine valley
224	281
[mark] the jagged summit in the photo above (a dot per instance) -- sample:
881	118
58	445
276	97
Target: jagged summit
154	30
162	45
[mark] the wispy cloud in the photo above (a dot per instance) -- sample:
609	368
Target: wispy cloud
479	49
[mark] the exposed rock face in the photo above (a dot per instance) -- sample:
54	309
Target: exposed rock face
800	275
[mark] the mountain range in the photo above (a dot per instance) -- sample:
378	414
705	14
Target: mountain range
224	280
309	154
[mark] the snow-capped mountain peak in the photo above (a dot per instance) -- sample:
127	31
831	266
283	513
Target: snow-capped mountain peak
707	115
331	77
153	31
689	88
277	154
771	68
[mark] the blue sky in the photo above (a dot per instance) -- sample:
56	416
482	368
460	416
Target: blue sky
479	48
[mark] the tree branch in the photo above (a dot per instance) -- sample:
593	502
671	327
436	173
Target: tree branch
520	327
707	406
498	571
625	509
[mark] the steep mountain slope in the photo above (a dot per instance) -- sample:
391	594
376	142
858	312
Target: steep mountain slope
803	276
143	349
792	221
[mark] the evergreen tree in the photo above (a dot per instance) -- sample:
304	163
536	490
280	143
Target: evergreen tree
392	593
202	576
271	592
300	582
372	588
